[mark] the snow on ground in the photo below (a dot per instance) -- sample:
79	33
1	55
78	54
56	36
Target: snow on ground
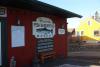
68	65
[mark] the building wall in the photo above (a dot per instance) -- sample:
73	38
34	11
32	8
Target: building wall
88	25
24	55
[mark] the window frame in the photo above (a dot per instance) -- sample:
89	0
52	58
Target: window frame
96	35
82	33
89	23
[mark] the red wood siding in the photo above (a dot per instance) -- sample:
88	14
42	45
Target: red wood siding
24	55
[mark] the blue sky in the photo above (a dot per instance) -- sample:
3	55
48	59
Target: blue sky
86	8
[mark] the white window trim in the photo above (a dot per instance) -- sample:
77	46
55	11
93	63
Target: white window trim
95	35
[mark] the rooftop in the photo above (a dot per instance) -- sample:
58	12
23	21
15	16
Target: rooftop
38	6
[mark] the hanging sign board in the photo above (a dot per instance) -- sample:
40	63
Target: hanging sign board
61	31
18	36
3	12
43	28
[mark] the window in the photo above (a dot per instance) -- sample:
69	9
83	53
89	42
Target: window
89	23
82	33
78	33
96	33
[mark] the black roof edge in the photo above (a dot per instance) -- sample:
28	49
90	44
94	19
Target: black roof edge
54	7
30	4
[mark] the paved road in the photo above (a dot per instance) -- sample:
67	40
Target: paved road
85	53
83	58
72	62
68	65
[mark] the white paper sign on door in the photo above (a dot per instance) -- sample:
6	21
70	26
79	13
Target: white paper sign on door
18	36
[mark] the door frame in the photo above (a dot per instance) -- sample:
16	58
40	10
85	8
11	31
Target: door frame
4	41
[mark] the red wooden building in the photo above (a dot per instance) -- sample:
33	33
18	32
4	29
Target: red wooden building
27	25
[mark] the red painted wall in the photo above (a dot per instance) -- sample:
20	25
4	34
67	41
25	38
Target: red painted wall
24	55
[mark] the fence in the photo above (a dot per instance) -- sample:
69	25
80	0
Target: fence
84	47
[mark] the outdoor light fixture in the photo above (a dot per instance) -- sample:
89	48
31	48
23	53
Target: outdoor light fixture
18	21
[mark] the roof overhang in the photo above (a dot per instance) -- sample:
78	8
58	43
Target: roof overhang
38	6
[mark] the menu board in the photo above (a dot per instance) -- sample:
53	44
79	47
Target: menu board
45	44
